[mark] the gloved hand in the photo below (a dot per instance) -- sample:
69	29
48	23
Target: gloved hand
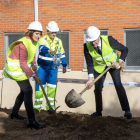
37	79
34	67
64	69
50	52
90	79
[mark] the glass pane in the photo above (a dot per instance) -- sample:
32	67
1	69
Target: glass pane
133	45
64	36
14	37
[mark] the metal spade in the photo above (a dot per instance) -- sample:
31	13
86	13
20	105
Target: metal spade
73	99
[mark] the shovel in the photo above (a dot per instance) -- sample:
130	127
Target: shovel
51	110
74	100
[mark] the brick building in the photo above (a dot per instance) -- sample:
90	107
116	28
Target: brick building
74	16
119	18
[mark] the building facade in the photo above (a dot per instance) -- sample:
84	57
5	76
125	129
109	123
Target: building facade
118	18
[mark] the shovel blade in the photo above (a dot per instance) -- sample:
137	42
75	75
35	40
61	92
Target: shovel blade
72	101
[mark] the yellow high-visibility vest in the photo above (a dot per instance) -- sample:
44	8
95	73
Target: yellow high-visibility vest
12	67
52	45
108	55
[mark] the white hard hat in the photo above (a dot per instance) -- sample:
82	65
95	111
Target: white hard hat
92	33
52	26
35	26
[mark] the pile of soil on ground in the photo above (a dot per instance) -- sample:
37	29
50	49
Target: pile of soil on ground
69	126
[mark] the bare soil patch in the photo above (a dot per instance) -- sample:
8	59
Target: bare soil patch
69	126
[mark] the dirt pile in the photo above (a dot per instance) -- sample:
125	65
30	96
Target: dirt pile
69	126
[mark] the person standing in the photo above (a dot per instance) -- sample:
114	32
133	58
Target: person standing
51	55
21	54
100	52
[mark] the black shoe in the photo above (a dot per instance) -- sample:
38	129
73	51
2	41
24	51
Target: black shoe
128	114
34	124
17	116
36	111
96	114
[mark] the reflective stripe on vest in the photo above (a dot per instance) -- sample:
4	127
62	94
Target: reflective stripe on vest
15	64
105	57
15	72
108	64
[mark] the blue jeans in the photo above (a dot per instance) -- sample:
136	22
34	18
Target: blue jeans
115	74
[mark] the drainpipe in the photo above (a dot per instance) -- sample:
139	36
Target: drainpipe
36	19
35	10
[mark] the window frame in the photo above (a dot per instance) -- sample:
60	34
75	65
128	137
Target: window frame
65	31
129	68
6	41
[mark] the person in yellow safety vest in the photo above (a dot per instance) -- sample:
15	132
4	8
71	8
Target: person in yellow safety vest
100	52
51	55
21	54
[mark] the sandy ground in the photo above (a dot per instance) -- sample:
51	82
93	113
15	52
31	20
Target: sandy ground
69	126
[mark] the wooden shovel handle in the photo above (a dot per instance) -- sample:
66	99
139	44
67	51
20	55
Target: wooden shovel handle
96	79
100	75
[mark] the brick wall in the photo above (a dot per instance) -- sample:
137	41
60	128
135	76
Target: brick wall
72	15
15	16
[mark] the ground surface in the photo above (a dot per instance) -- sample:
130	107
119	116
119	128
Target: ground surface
69	126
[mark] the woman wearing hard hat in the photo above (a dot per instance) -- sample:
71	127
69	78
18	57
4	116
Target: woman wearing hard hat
21	54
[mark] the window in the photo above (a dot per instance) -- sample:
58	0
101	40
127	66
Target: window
65	37
103	32
132	42
10	38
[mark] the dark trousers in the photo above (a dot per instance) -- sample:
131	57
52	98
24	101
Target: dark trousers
26	96
115	74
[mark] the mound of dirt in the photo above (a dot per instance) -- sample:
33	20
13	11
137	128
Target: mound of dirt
69	126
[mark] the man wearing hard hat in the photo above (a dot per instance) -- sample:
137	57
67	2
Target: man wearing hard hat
51	54
100	51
